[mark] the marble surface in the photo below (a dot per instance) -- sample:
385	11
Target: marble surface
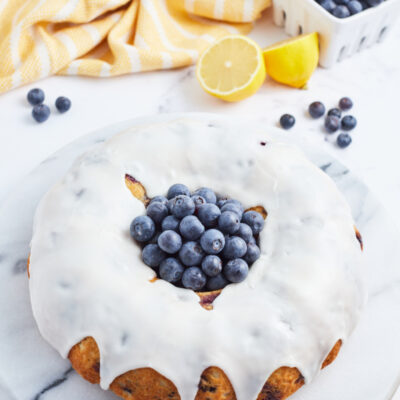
31	370
368	367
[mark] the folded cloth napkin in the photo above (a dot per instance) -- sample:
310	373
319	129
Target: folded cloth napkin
111	37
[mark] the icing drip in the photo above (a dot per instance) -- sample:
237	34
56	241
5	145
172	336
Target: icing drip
87	279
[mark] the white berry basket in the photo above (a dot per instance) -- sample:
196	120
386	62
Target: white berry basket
339	38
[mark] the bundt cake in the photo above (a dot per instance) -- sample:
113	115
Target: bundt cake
97	303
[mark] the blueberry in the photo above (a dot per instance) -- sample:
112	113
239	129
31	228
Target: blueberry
235	247
171	270
191	228
354	7
157	211
335	112
182	206
342	2
170	242
232	207
170	223
316	109
152	255
341	12
345	103
154	239
211	265
221	201
252	254
245	232
236	203
229	222
194	278
142	228
208	215
332	123
236	270
208	194
40	113
63	104
287	121
374	3
35	96
191	254
348	123
254	220
198	201
217	282
343	140
176	190
328	5
212	241
159	199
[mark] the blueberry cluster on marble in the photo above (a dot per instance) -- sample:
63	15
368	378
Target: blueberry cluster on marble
347	8
40	111
199	241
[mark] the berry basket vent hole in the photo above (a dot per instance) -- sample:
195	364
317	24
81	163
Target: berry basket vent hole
362	43
382	33
300	30
342	53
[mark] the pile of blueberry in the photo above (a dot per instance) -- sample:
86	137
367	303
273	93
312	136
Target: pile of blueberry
333	120
40	111
347	8
198	241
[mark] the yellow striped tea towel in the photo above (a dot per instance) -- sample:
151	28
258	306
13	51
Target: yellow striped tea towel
104	38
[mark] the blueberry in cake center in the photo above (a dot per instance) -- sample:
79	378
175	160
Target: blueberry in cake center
200	240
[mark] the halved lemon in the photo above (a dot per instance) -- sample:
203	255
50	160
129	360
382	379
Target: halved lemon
232	68
293	61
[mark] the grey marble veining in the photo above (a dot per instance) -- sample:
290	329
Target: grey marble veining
367	367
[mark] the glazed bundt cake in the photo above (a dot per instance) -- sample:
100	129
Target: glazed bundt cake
122	327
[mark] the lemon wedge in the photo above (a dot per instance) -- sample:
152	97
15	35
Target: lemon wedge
293	61
232	68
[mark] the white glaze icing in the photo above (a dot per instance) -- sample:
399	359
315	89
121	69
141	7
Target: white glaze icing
87	279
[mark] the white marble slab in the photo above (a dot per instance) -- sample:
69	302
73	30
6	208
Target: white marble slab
366	368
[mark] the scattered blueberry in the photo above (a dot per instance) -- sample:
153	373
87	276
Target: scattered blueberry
235	247
342	2
236	270
191	254
198	201
211	265
142	228
328	5
245	232
341	12
35	96
191	228
287	121
255	220
316	109
182	206
229	222
221	201
348	123
236	203
335	112
159	199
171	270
252	254
343	140
157	211
63	104
152	255
208	214
345	103
212	241
217	282
170	242
354	7
40	113
170	223
194	278
332	123
176	190
374	3
207	194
